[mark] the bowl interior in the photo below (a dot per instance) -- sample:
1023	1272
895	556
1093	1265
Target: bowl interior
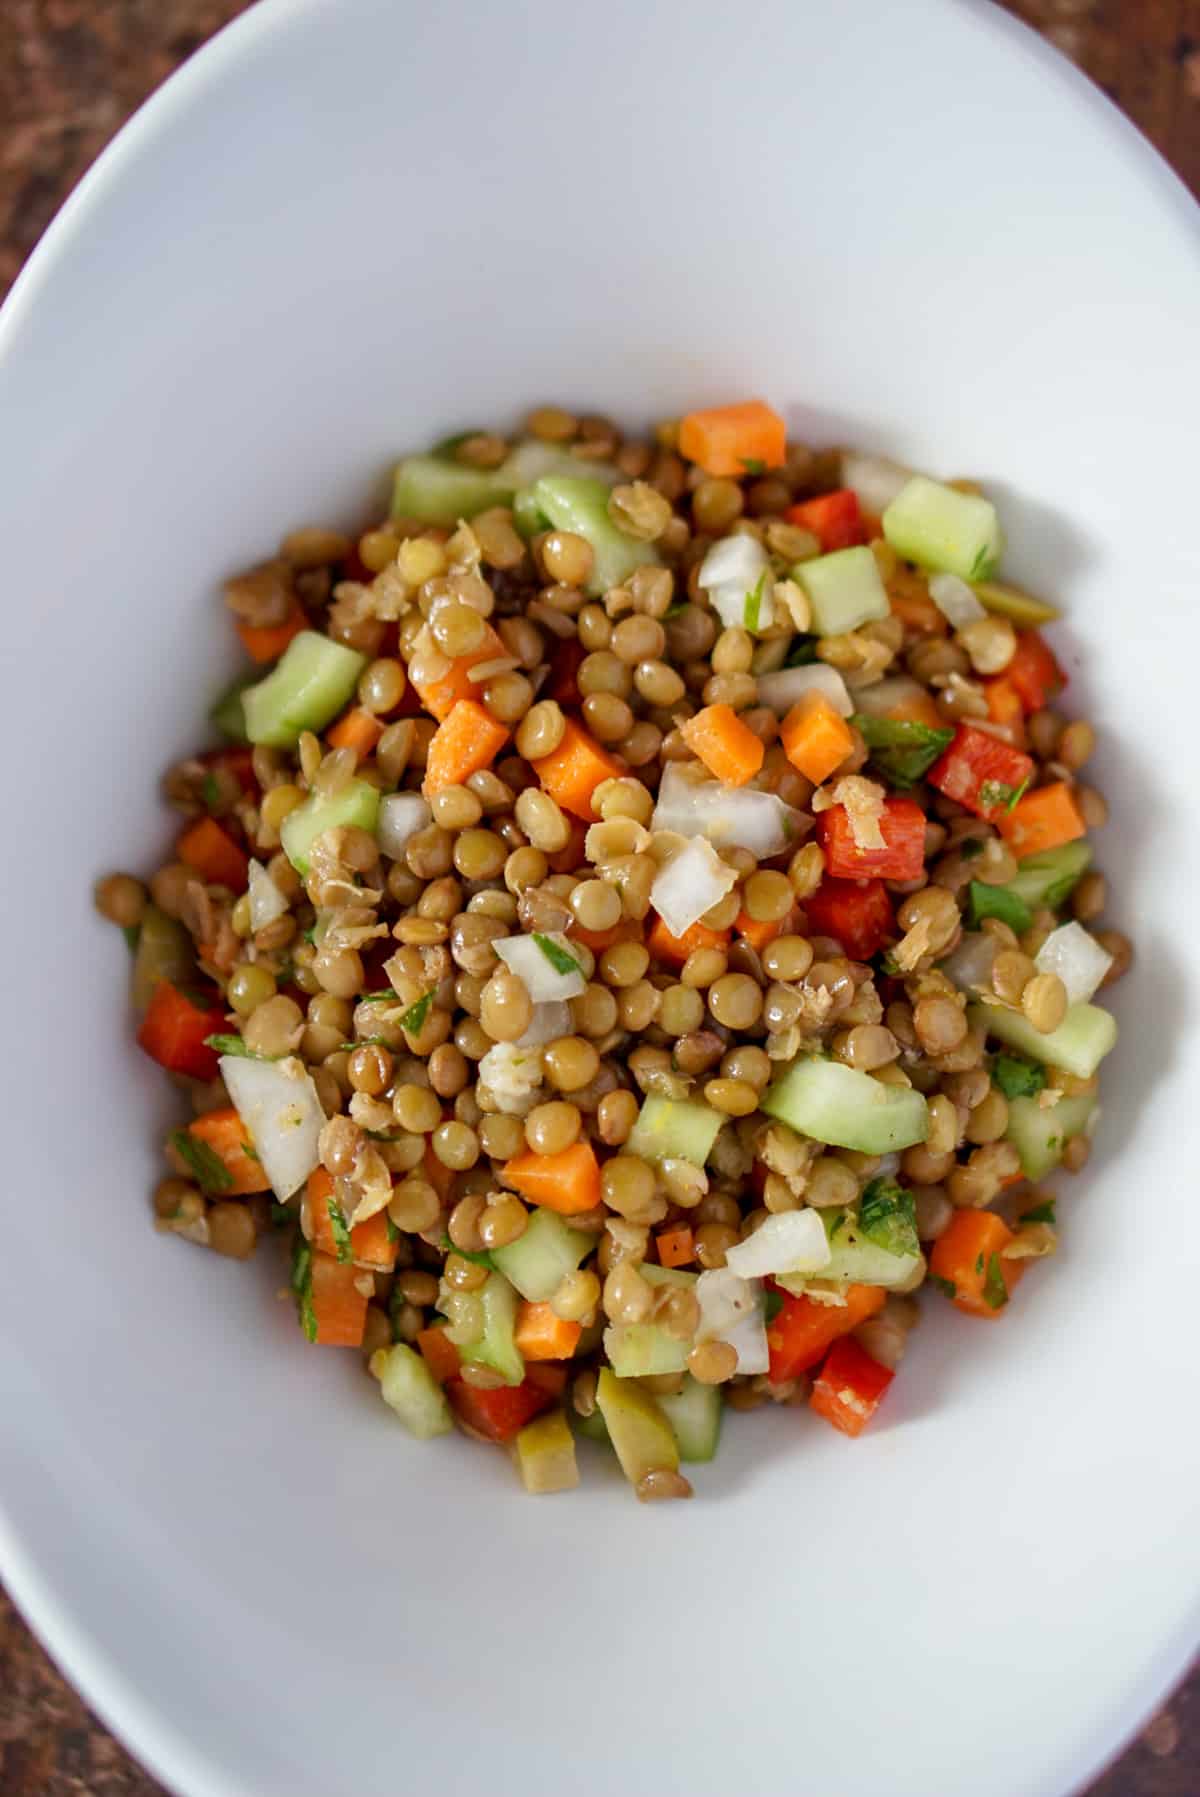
347	229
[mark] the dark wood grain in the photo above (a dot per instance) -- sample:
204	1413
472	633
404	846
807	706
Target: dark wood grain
71	71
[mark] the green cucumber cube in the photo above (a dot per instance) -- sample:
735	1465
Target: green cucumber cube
581	505
1039	1133
844	589
540	1259
674	1129
1079	1044
845	1108
306	689
356	803
938	527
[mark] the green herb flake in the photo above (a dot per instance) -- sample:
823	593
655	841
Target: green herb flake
753	464
413	1019
235	1045
131	933
341	1234
971	848
483	1259
281	1215
944	1285
385	996
558	957
675	611
1018	795
887	1217
1041	1213
1017	1077
393	1234
363	1042
901	749
310	935
207	1168
995	1292
802	653
210	791
979	1263
753	606
772	1305
983	565
993	793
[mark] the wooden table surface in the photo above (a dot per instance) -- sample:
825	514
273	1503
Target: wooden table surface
71	71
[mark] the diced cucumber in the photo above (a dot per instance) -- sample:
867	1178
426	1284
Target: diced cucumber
1039	1133
308	686
674	1129
844	590
581	505
528	517
640	1433
695	1415
497	1345
938	527
540	1259
544	1452
228	715
642	1350
1079	1044
592	1428
1010	602
855	1259
998	901
411	1390
434	489
655	1275
164	952
848	1109
356	803
1049	879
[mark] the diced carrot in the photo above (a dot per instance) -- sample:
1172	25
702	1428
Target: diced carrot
228	1138
835	519
439	1354
759	934
815	738
572	772
1033	671
541	1335
849	1386
467	739
1042	820
676	1247
676	949
339	1305
214	854
267	642
968	1261
568	1182
371	1244
728	748
598	940
1004	705
803	1329
356	729
741	439
440	696
909	600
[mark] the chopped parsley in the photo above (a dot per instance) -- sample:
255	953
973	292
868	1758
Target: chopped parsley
235	1045
772	1305
887	1217
281	1214
993	793
206	1167
675	611
901	749
1019	793
413	1019
482	1259
971	848
341	1234
944	1285
802	652
558	957
995	1292
1041	1213
981	567
753	606
1017	1077
997	901
385	996
131	932
210	791
753	464
363	1042
302	1286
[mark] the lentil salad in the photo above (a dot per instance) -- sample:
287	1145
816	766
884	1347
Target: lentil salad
636	935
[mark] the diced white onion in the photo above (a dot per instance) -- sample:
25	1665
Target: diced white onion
278	1103
534	968
266	901
875	479
970	966
791	1241
730	574
401	816
513	1076
886	695
727	815
781	690
731	1311
1077	958
691	884
547	1024
889	1166
955	600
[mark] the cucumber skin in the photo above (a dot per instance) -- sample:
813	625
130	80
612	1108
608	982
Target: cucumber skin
496	1347
695	1415
869	1117
356	803
434	490
1049	879
305	690
937	527
547	1250
582	506
643	1350
674	1128
1039	1135
833	612
413	1394
1079	1044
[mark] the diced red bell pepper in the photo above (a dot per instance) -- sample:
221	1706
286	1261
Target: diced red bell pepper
857	912
498	1414
835	518
849	1386
563	685
803	1330
1033	671
902	857
981	772
214	854
173	1032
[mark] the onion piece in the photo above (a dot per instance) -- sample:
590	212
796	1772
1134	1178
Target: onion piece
736	575
731	1310
1077	958
791	1241
691	884
729	816
955	600
513	1076
401	816
544	964
875	479
548	1023
880	700
278	1103
266	901
781	690
970	966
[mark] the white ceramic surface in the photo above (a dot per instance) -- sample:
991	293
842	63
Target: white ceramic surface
353	224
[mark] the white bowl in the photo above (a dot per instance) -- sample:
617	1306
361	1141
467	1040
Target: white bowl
348	227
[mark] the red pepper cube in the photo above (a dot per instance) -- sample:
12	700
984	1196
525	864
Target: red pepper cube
835	518
496	1414
902	826
173	1032
858	913
1033	671
849	1386
981	772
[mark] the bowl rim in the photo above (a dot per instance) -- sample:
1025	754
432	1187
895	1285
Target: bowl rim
164	1748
